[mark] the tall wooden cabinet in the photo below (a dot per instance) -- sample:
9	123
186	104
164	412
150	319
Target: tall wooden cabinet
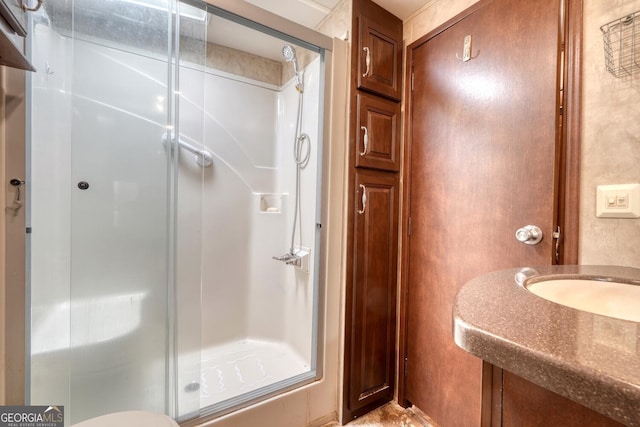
374	164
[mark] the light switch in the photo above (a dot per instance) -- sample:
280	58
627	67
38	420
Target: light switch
621	201
618	201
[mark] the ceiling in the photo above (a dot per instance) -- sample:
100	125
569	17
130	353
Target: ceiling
305	12
310	12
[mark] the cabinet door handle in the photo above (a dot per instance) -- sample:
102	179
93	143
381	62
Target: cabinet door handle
364	199
365	140
367	61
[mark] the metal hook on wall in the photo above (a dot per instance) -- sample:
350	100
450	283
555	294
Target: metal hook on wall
466	50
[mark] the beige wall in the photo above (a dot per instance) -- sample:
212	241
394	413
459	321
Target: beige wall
338	23
610	141
12	238
610	127
430	16
244	64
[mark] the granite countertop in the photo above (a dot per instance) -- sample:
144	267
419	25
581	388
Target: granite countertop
591	359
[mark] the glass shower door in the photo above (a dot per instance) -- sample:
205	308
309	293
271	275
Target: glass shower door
241	99
158	280
120	255
103	180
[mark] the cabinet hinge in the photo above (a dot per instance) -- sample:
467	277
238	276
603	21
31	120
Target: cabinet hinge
413	78
409	227
406	365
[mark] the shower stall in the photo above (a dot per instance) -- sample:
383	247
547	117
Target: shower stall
175	156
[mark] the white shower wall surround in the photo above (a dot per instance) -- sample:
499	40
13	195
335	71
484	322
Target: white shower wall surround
250	130
91	103
252	157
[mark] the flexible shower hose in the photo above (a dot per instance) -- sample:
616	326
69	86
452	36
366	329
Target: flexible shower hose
301	155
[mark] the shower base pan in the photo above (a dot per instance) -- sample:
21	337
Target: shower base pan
236	368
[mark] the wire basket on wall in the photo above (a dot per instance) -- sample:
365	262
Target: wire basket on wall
622	45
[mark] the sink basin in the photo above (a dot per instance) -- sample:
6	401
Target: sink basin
607	298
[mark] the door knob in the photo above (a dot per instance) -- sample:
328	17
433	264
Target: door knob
529	235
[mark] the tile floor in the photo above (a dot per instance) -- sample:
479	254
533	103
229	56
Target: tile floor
391	415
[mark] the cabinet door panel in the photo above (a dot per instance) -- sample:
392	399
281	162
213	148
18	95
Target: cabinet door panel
380	65
525	403
378	133
371	328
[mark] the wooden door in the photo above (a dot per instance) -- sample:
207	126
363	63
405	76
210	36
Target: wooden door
378	133
482	160
371	329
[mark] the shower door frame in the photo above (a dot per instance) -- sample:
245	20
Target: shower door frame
293	32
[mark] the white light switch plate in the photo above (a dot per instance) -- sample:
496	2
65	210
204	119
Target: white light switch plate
618	201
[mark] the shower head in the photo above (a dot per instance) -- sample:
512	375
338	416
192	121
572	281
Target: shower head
289	54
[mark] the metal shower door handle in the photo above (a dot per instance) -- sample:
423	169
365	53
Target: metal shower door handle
529	235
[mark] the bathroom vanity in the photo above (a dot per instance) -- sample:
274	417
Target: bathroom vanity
588	358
